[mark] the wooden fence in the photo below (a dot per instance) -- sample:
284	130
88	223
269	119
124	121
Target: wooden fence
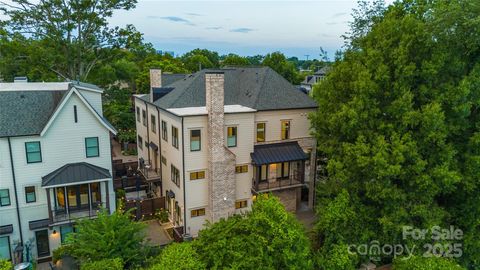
145	207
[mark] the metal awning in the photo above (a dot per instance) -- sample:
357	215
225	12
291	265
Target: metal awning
6	229
153	146
171	194
74	173
38	224
277	152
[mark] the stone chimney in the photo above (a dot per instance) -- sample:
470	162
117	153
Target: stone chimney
155	80
221	161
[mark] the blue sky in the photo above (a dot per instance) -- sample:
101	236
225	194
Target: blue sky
296	28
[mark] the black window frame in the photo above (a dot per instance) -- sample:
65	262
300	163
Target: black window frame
88	147
175	175
8	196
164	131
241	168
140	142
138	114
241	204
174	136
153	122
199	212
198	175
199	140
9	245
287	130
75	114
144	117
39	151
236	136
264	131
34	194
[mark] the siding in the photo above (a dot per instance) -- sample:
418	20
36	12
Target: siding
299	123
94	98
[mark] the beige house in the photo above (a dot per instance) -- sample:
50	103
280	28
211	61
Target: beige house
211	141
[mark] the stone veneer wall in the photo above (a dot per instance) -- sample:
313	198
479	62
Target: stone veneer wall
155	80
221	161
290	198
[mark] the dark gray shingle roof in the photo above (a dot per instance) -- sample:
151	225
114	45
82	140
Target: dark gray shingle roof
27	112
259	88
277	152
168	78
73	173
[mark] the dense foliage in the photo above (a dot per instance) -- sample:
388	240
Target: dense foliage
113	236
425	263
105	264
268	237
398	123
5	265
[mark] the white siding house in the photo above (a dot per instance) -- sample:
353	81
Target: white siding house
220	173
55	164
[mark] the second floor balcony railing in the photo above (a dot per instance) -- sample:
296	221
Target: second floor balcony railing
295	179
60	215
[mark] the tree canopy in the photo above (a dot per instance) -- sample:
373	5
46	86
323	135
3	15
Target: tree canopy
398	123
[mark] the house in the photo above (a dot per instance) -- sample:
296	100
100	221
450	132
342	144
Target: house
214	140
310	80
55	164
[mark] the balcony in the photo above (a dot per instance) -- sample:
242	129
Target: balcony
295	179
70	214
148	171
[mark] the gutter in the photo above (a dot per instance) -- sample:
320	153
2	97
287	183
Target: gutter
15	190
184	187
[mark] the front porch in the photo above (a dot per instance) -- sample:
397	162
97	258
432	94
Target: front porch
77	190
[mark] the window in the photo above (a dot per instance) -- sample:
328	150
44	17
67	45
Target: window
260	132
4	197
241	204
91	145
140	142
30	194
164	131
241	169
195	140
175	137
146	144
175	174
164	160
64	231
197	175
5	252
34	152
198	212
282	170
285	129
138	114
43	247
144	118
232	136
153	122
75	116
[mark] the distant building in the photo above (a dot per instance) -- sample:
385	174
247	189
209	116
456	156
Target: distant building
310	80
214	140
55	164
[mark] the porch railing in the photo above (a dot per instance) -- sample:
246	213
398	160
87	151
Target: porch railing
60	215
145	207
293	180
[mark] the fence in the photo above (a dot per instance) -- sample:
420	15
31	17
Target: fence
145	207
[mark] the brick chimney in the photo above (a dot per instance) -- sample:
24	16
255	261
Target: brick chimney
155	80
221	161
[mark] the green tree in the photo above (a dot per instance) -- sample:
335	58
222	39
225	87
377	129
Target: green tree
279	63
113	236
425	263
5	265
268	237
197	62
75	34
212	57
235	60
398	125
105	264
179	257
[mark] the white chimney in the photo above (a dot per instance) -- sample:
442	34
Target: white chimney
155	80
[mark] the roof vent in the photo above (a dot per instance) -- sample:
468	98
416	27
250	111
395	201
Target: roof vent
20	79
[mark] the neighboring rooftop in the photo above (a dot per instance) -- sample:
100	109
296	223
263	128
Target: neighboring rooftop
257	88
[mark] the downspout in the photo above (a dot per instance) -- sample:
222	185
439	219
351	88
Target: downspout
159	130
15	190
148	133
184	187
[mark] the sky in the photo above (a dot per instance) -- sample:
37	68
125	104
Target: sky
296	28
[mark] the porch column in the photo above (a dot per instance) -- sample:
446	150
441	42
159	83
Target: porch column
257	177
49	204
302	172
107	200
89	201
66	202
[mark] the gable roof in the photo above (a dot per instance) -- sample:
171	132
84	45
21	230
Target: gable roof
74	173
25	113
259	88
169	78
31	111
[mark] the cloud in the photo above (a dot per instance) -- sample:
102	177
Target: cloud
341	14
214	28
242	30
193	14
334	23
173	19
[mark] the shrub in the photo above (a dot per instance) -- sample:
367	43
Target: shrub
5	265
105	264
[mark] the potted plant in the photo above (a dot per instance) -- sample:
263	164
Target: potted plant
162	216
